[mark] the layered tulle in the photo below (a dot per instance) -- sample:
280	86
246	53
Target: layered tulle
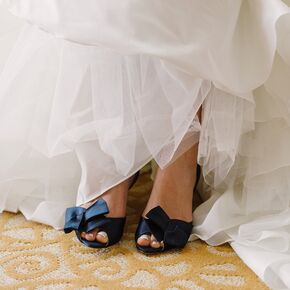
250	208
76	120
90	93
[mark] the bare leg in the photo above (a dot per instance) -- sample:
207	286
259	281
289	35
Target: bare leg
173	191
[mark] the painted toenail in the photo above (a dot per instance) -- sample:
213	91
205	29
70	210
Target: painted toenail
155	243
145	237
103	234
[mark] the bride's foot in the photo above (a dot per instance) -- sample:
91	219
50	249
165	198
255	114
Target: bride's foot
173	191
116	199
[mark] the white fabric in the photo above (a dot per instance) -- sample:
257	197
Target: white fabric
90	93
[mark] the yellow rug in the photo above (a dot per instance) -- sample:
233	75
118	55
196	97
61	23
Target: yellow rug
35	256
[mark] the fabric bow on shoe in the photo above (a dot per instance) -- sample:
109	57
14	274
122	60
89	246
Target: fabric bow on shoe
171	232
85	220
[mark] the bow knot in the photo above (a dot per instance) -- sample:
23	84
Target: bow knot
85	220
172	232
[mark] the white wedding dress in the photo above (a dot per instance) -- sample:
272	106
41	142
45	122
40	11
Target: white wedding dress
90	92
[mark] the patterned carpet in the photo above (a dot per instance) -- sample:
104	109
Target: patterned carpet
35	256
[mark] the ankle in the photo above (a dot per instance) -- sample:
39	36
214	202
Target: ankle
116	199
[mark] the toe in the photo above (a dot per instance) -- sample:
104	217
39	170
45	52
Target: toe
154	243
102	237
144	240
91	236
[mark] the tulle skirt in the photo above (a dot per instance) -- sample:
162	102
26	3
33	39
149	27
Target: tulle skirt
89	93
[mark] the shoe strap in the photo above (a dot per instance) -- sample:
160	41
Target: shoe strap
143	229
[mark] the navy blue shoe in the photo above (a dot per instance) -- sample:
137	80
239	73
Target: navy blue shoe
81	219
170	233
